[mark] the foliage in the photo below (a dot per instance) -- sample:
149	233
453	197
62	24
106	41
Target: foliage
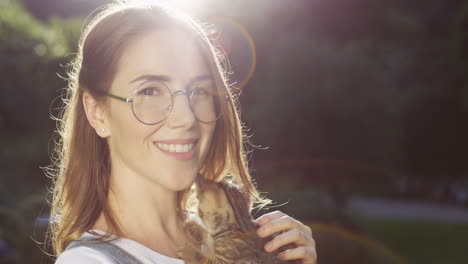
338	96
383	86
21	231
421	242
333	229
31	55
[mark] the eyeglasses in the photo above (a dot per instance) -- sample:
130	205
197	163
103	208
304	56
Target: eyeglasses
152	103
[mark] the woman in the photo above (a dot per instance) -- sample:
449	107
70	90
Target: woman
148	110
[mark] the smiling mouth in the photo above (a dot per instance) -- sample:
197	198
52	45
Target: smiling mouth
177	149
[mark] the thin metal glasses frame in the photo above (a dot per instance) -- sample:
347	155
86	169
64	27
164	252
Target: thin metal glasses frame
184	91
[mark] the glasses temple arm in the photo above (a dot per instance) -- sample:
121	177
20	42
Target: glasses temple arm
127	100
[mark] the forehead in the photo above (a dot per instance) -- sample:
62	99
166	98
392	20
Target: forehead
172	52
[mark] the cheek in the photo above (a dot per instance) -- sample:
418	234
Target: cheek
125	129
128	134
121	118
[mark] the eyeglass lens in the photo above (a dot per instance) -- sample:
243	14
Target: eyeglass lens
152	102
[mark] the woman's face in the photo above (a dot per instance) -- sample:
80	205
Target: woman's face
158	153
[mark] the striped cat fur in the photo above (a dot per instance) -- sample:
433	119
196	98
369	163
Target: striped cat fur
224	231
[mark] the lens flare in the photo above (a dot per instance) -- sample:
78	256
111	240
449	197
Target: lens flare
361	239
231	35
354	238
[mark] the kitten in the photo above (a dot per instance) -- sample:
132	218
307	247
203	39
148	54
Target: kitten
225	231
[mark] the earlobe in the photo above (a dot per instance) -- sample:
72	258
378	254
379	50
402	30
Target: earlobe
94	114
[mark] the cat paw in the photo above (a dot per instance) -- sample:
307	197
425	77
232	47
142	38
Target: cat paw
195	231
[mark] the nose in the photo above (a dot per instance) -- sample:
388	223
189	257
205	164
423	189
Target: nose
181	114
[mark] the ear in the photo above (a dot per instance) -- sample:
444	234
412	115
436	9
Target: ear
96	115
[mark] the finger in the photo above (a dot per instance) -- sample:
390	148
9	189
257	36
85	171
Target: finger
292	236
307	254
269	217
306	229
284	223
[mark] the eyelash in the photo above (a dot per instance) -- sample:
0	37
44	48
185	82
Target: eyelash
142	91
201	91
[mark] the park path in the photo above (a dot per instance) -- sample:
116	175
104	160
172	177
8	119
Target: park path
407	210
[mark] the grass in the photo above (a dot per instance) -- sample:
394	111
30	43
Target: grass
421	242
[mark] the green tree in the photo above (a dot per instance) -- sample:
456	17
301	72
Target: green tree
32	55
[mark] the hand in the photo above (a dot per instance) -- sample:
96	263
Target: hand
293	231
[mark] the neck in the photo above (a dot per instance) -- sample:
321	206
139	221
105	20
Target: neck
146	212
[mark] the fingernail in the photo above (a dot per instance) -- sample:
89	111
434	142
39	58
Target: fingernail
269	246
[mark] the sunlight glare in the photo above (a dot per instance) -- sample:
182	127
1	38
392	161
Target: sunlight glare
188	6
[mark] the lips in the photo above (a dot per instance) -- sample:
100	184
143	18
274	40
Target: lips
179	149
177	141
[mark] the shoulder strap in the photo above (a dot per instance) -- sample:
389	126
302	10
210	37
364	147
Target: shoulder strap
116	253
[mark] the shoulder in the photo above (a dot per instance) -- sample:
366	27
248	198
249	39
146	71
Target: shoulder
79	255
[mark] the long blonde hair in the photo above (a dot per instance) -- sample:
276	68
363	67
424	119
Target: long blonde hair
81	161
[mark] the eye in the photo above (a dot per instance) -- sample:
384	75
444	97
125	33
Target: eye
205	87
199	91
150	91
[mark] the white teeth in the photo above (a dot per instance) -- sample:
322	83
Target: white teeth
186	148
176	147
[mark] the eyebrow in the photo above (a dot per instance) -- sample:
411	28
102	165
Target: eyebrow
165	78
152	77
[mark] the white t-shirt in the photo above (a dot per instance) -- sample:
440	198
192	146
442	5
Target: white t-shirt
80	255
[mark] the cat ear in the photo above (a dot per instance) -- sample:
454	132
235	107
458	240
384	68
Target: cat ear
238	197
245	199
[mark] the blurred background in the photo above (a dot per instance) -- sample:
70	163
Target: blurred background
357	113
